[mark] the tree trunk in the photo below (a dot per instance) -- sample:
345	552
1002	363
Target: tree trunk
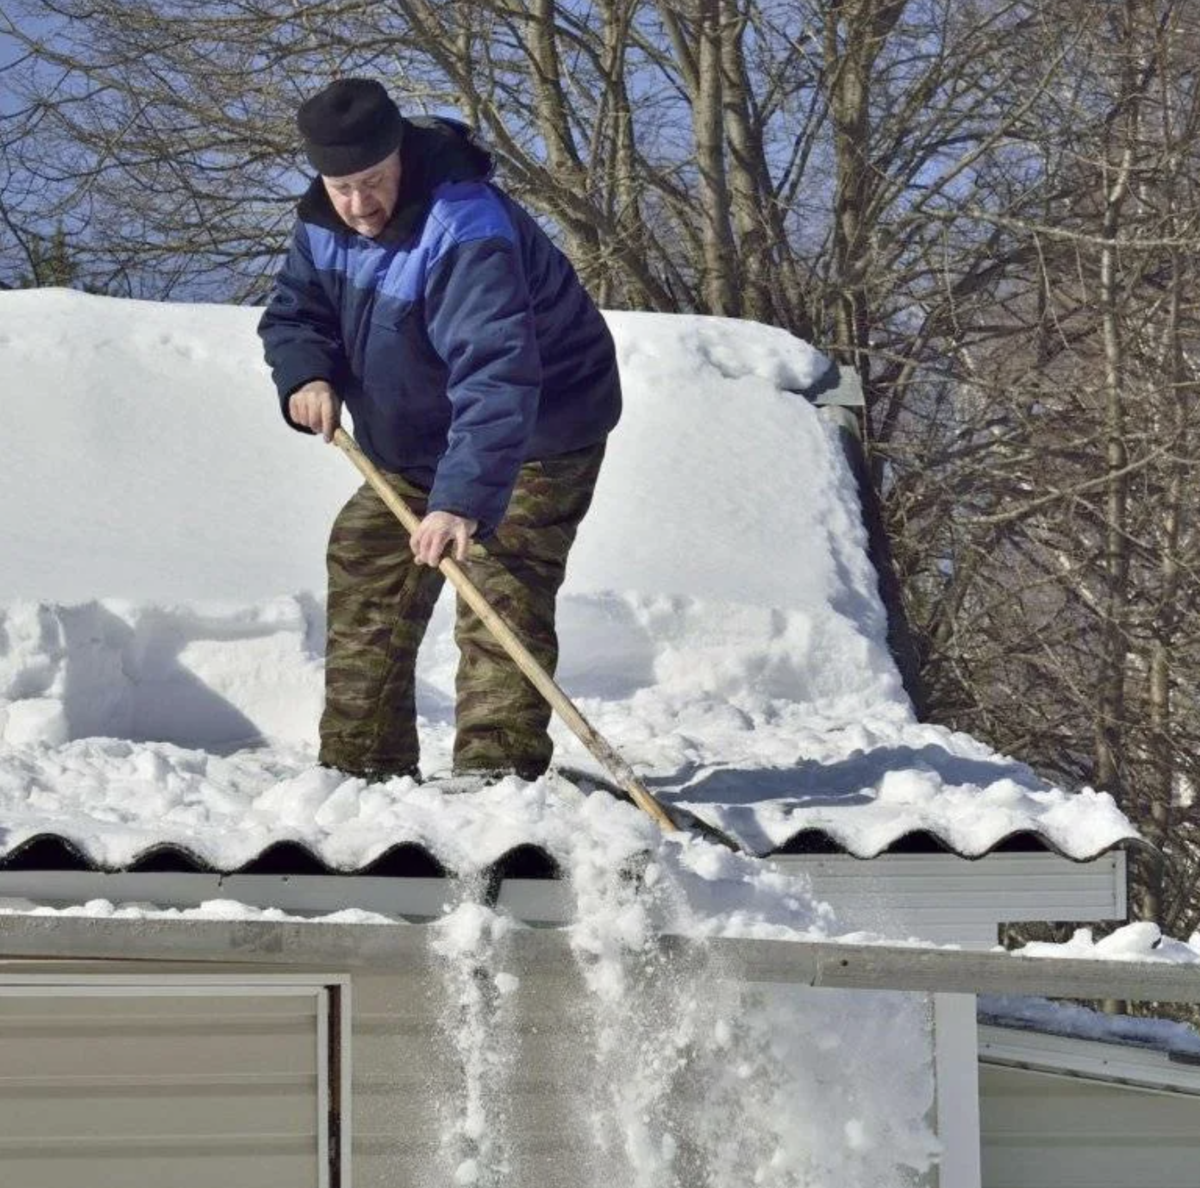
747	189
720	286
855	33
554	125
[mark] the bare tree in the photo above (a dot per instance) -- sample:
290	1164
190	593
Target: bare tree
1054	605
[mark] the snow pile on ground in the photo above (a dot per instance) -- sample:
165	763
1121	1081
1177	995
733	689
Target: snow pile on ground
161	615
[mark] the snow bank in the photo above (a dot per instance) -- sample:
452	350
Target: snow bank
155	469
163	582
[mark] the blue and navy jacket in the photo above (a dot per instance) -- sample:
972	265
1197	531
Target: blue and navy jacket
460	339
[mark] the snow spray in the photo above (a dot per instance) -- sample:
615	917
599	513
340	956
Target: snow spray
689	1076
477	1024
704	1080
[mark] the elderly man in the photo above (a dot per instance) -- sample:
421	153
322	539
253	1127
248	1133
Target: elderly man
481	379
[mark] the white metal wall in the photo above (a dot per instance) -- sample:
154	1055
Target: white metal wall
947	899
405	1067
108	1084
402	1039
1045	1131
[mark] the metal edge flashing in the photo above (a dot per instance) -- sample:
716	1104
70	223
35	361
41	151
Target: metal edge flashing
944	898
1110	1062
407	900
837	387
1013	1026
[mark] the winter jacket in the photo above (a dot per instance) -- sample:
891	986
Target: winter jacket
460	338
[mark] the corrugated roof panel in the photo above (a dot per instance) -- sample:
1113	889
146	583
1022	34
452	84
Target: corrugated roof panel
414	860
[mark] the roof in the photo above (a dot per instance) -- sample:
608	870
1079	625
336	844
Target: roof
48	851
271	820
1177	1041
173	724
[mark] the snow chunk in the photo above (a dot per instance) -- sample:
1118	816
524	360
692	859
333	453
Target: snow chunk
1140	941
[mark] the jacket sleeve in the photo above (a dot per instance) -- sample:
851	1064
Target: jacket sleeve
299	327
480	321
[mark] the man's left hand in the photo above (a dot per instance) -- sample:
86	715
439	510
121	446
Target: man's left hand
436	531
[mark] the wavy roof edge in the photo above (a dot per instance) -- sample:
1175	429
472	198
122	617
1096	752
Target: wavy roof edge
817	841
50	851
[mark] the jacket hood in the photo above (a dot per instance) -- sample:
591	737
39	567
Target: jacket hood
434	150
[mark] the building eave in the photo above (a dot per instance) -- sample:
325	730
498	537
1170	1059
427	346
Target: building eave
1090	1060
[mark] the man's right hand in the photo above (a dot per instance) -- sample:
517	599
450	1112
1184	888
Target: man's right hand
316	407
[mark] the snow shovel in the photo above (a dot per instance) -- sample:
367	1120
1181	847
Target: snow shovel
620	771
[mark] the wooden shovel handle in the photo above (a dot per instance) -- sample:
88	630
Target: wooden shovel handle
620	771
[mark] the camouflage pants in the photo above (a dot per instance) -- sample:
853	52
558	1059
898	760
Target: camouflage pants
379	606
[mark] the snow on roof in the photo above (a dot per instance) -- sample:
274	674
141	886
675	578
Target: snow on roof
1046	1017
1139	941
161	618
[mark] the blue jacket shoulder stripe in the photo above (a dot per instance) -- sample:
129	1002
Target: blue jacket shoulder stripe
358	260
323	245
463	212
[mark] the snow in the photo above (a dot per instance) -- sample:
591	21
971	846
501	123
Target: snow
1079	1022
209	910
1139	941
161	614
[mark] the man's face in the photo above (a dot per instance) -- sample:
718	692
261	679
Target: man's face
365	201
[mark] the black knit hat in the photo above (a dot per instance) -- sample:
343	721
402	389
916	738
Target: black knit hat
349	126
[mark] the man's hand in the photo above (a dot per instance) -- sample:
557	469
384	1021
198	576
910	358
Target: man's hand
436	531
316	407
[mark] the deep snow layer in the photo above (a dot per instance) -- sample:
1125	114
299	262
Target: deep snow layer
161	622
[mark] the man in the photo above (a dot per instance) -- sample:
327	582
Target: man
481	379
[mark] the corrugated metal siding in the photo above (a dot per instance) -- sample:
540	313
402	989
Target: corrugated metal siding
403	1064
1045	1131
188	1091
